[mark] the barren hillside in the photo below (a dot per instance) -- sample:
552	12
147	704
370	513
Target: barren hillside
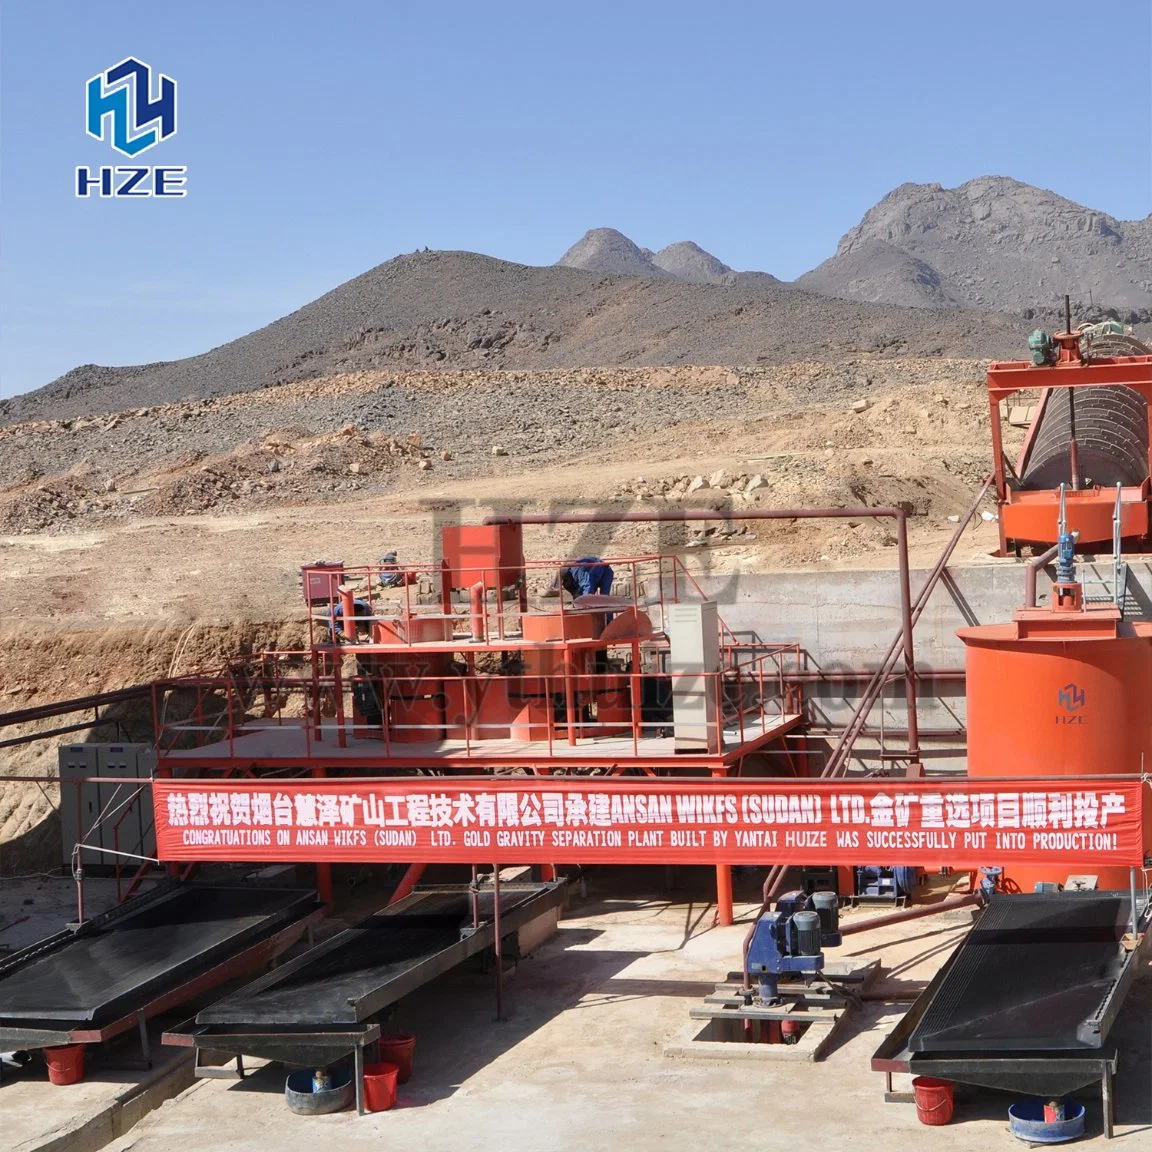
452	310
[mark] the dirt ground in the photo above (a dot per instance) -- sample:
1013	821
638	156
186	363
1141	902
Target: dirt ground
579	1062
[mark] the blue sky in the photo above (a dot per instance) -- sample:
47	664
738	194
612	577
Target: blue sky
324	138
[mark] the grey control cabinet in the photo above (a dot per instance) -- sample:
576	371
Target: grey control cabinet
129	826
693	659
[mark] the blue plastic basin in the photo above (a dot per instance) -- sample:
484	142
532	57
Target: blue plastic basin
1027	1122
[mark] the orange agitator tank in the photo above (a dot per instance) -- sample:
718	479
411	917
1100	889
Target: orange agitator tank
550	627
1058	693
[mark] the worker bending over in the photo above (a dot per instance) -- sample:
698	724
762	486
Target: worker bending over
587	576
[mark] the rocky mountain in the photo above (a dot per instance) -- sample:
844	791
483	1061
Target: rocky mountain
977	262
880	272
606	250
993	244
688	261
437	310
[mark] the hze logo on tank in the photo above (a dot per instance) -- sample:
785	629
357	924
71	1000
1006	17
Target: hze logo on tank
1070	700
129	108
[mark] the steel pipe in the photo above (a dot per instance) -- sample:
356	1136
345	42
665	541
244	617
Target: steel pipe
80	704
476	597
499	942
916	913
1034	565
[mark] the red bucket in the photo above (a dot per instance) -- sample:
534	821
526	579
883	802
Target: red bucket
398	1049
379	1086
933	1100
66	1064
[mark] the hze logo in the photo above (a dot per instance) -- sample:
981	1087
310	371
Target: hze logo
1071	699
123	111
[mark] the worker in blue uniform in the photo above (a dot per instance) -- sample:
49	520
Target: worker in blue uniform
391	575
588	576
361	622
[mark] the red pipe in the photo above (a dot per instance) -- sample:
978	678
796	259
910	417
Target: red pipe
408	881
348	615
724	911
917	913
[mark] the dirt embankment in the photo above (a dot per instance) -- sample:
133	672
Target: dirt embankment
41	665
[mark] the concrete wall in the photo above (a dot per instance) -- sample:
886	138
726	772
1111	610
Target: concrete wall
845	620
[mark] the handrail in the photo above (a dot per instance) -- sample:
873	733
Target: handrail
767	675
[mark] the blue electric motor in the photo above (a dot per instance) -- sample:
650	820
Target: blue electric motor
790	939
874	880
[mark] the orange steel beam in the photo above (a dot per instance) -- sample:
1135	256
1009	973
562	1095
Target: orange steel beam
1007	377
724	913
1030	435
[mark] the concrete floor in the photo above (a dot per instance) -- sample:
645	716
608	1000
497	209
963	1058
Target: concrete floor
579	1061
38	1116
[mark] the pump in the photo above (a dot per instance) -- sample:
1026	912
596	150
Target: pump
790	940
1067	593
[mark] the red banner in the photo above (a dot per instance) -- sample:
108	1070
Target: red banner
557	819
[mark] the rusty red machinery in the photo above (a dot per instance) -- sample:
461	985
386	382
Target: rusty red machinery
1090	433
444	669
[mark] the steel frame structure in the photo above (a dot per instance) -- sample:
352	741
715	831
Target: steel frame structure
1030	516
304	724
233	714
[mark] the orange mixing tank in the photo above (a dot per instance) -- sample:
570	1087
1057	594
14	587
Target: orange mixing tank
1060	693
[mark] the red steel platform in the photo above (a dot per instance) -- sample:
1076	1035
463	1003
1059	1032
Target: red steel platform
295	746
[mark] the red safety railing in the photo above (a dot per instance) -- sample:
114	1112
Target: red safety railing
378	667
649	582
318	707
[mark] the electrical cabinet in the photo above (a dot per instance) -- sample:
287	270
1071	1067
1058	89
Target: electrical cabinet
694	661
128	824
